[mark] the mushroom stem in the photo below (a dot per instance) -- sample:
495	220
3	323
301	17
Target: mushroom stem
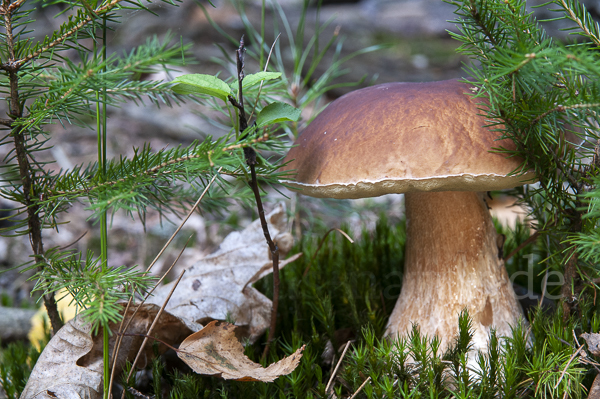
452	262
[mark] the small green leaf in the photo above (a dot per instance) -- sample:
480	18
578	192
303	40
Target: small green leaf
197	83
251	80
277	112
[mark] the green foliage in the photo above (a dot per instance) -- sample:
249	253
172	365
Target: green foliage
69	78
211	85
16	362
277	112
544	95
158	369
202	84
342	284
44	85
187	386
513	367
301	88
540	360
85	280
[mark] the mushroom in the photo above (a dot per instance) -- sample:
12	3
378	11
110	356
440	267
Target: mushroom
428	141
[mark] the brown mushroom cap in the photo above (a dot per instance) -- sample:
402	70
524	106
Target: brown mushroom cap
402	137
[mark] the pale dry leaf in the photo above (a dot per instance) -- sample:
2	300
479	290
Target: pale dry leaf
70	367
57	374
595	389
215	288
216	351
593	342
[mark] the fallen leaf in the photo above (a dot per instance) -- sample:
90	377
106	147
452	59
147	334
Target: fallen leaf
593	342
56	373
70	367
595	389
217	287
216	351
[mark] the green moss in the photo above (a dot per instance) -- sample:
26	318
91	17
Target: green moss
16	362
346	291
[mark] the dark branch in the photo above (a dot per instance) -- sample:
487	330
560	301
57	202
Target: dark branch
6	122
251	161
525	243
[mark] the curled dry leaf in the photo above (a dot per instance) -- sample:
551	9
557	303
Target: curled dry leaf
70	367
217	287
593	342
216	351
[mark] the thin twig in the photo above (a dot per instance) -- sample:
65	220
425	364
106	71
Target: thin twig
184	220
74	242
567	9
165	343
178	350
360	388
321	244
152	327
337	366
100	10
26	173
165	274
262	82
482	25
586	360
567	366
122	327
525	243
15	5
561	108
251	161
575	337
275	257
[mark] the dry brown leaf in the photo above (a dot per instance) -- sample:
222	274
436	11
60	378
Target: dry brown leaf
216	287
216	351
70	367
593	342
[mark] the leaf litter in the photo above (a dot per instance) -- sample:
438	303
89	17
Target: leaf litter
218	286
216	351
71	365
215	288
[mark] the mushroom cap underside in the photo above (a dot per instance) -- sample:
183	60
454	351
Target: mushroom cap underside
403	137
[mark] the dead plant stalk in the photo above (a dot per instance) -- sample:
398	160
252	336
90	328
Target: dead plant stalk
251	160
121	328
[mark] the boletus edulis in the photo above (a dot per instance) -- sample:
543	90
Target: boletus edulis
430	142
